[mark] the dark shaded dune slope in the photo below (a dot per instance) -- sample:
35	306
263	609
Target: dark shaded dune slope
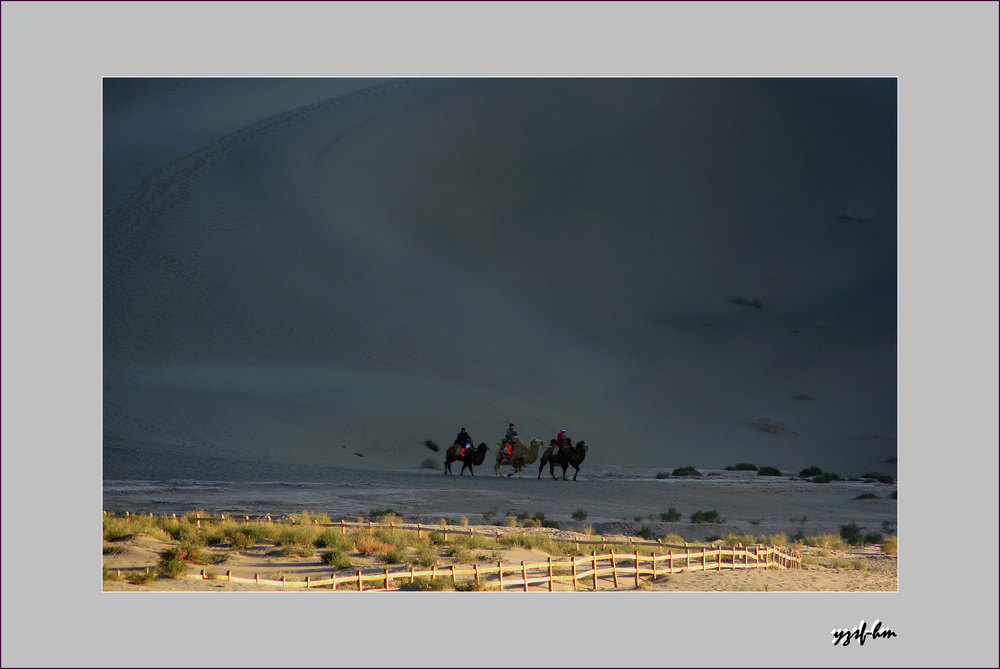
361	274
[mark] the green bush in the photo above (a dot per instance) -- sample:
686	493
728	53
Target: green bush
580	514
645	533
431	445
881	478
825	477
336	558
741	467
768	471
809	472
851	533
706	517
662	475
672	515
686	471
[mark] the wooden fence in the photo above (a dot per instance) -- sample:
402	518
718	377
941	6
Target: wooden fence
582	571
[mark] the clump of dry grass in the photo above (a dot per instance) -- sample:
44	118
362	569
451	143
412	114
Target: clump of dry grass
370	546
890	546
826	541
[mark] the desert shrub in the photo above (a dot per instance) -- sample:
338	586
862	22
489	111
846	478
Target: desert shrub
463	521
309	517
331	538
180	529
672	515
851	533
472	586
741	467
297	535
423	584
370	546
671	538
431	445
580	514
532	522
510	521
426	557
768	471
392	556
890	545
686	471
436	539
866	495
637	518
145	576
645	533
295	550
171	564
378	514
259	531
489	515
662	475
881	478
825	541
809	472
871	538
240	541
460	554
775	540
825	477
336	557
706	517
739	540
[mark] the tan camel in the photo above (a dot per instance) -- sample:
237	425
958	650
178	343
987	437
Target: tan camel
472	457
566	455
520	456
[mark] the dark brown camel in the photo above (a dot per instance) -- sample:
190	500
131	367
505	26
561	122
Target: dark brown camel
566	455
472	457
520	456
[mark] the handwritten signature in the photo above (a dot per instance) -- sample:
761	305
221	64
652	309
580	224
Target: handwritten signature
860	633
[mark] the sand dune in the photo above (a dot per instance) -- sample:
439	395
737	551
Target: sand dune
653	264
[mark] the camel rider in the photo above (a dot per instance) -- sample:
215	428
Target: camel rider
463	441
561	437
508	439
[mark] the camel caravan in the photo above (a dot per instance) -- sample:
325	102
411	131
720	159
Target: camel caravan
514	452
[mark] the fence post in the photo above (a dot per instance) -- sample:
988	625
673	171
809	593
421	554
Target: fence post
614	568
411	574
419	530
433	572
343	527
550	574
446	534
256	579
229	575
524	575
334	577
704	558
593	556
719	567
475	571
500	574
574	573
637	568
307	582
653	558
453	581
361	587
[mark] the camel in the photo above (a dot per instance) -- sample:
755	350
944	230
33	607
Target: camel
565	455
521	455
472	457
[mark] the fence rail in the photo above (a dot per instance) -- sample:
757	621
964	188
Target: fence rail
585	571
